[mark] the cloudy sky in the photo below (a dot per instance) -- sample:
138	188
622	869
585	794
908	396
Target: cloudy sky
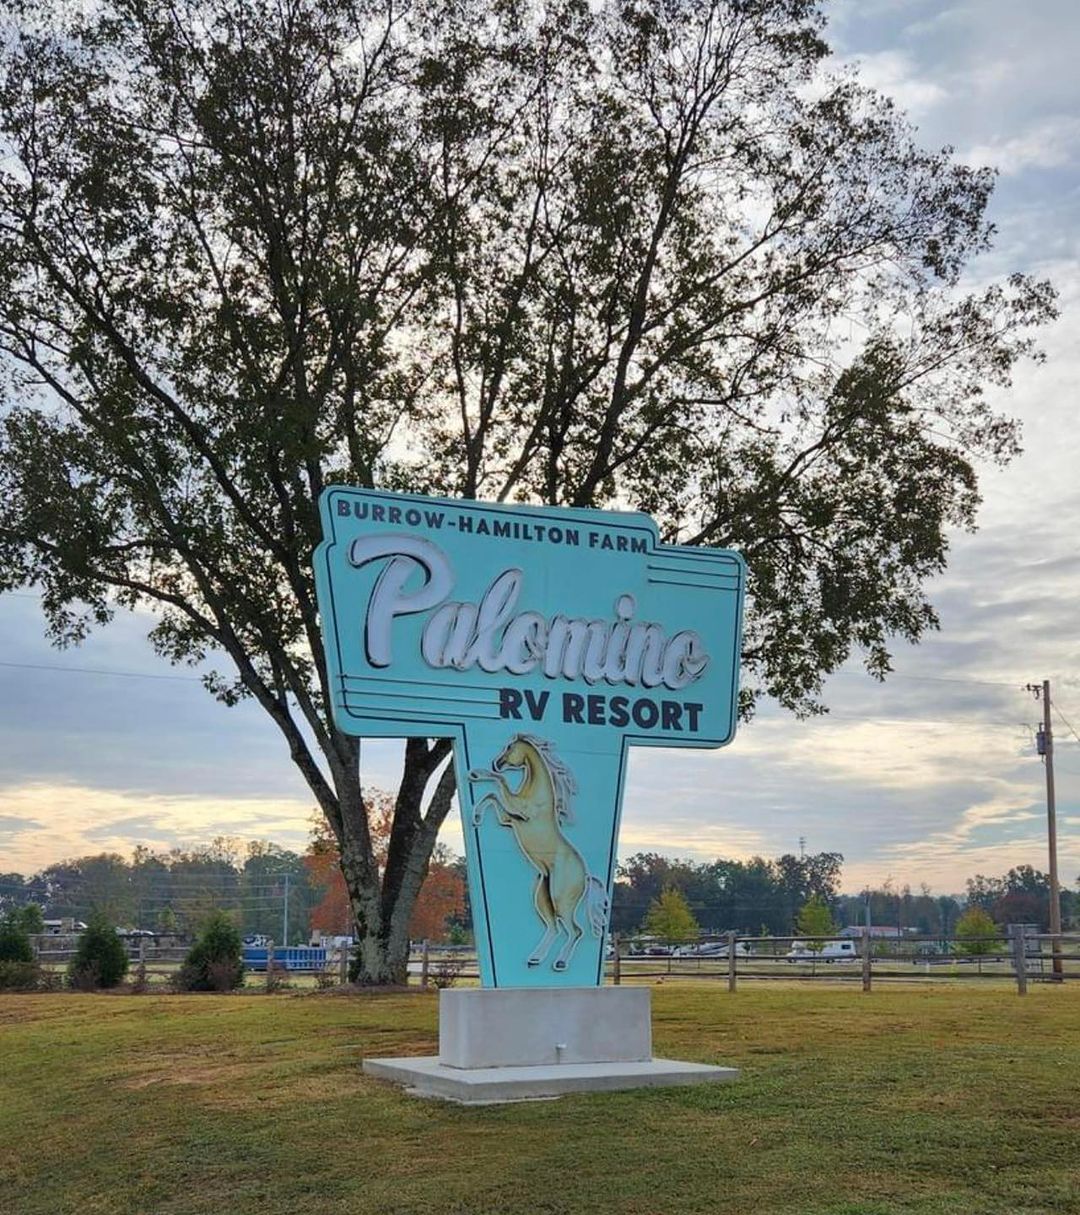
929	779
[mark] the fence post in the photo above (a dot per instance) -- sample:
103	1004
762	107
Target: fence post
343	964
732	959
269	965
424	963
1019	960
616	970
142	951
866	959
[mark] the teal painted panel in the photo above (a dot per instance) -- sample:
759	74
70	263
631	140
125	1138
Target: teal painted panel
544	641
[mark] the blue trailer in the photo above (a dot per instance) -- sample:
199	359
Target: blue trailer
292	957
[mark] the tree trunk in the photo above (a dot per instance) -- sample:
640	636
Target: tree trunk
383	903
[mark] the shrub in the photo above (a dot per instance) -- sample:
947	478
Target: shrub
277	977
50	980
14	942
215	961
446	971
101	959
19	976
223	976
84	978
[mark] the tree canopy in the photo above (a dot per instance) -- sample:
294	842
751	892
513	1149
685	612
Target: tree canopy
748	896
975	931
815	922
175	891
439	905
636	253
670	918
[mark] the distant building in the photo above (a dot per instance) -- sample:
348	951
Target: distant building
65	927
1030	933
883	931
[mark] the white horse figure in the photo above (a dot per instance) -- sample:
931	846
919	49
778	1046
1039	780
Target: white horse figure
536	813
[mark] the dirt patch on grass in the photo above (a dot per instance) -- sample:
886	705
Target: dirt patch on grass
291	1092
196	1074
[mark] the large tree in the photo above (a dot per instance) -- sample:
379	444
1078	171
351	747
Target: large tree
648	253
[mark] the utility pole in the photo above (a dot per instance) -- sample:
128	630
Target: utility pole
1046	749
285	909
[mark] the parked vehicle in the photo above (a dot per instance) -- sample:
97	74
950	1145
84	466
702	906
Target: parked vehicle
831	951
712	949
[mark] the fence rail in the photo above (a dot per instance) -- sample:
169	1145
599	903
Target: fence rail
1022	957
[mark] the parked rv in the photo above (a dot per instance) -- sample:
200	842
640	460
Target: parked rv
831	951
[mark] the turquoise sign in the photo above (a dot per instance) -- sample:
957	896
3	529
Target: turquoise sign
545	642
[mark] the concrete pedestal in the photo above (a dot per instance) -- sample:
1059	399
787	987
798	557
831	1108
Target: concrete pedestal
518	1044
525	1027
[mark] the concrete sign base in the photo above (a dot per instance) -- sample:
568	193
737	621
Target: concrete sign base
506	1044
427	1077
526	1026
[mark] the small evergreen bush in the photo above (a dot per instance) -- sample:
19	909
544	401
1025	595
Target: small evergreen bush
215	961
101	959
14	942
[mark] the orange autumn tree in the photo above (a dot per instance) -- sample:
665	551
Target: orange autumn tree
441	896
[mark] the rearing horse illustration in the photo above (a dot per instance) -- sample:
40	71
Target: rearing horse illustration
536	812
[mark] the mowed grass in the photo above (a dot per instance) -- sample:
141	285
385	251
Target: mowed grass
930	1099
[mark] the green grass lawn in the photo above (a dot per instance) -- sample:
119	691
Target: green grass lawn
939	1098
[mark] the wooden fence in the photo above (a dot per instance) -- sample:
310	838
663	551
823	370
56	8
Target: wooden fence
152	960
1021	957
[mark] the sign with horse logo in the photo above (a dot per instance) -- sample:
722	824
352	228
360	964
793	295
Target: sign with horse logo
545	641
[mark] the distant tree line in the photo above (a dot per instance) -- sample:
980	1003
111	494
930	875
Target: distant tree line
765	897
176	890
753	897
179	890
1022	896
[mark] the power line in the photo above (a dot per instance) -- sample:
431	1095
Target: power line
928	721
986	683
1068	724
158	892
42	666
958	679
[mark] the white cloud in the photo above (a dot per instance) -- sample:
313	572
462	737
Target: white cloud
894	73
61	820
900	754
1052	143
